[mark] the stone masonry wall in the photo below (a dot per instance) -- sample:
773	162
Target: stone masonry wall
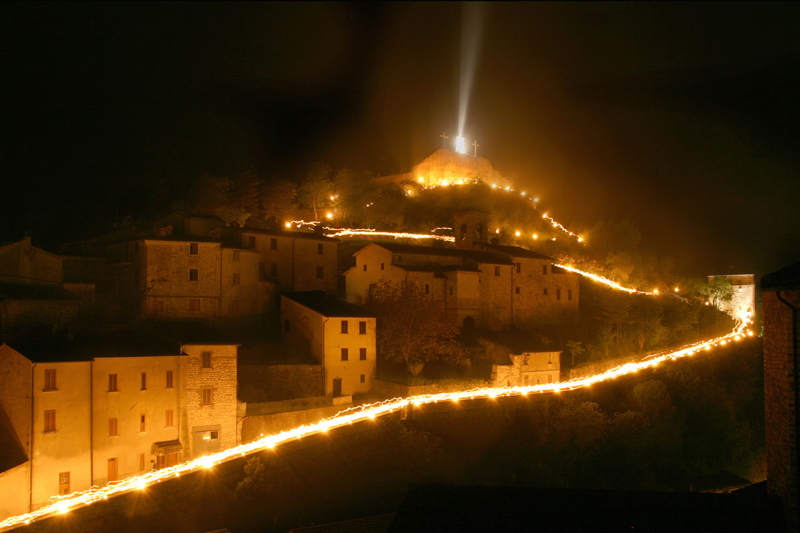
780	384
221	379
269	383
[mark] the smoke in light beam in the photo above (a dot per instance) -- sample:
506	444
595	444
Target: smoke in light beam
471	29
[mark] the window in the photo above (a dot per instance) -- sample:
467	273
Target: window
50	421
519	268
236	255
427	289
544	292
362	354
320	273
362	327
273	244
141	461
549	378
273	270
63	483
516	290
345	326
193	248
50	379
158	306
251	241
144	380
451	291
345	354
262	270
544	270
382	266
112	383
549	359
363	378
569	294
286	326
112	469
170	383
142	423
558	294
496	271
207	400
169	418
194	305
193	274
237	278
113	427
206	358
320	249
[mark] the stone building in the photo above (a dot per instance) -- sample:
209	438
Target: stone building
480	283
517	360
339	335
33	297
87	413
780	299
742	304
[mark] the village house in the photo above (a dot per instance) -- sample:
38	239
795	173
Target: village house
517	360
479	283
339	335
83	413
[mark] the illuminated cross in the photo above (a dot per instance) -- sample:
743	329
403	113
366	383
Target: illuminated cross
444	138
475	144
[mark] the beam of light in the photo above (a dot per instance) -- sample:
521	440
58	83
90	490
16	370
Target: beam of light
362	413
471	29
605	281
461	147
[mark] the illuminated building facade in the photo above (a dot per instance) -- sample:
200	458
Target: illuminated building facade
480	283
446	167
519	361
339	335
743	302
77	415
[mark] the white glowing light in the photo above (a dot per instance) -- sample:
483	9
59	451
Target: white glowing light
329	215
288	225
461	145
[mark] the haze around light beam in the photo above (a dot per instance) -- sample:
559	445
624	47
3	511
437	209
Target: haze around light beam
471	30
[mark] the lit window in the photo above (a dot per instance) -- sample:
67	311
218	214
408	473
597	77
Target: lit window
50	379
362	354
237	278
63	483
273	244
144	380
345	354
193	248
345	326
112	383
362	328
50	421
207	400
169	418
113	427
206	358
193	275
320	272
170	384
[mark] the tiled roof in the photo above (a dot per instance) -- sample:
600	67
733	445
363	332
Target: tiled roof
516	251
327	304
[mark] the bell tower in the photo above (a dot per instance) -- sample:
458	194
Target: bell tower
471	226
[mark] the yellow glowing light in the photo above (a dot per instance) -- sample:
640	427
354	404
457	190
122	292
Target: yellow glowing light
517	233
461	145
444	183
332	198
329	215
288	225
655	291
508	188
535	236
497	230
522	193
677	289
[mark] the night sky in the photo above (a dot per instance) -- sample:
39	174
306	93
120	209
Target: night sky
682	117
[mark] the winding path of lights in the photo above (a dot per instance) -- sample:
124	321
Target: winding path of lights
93	495
605	281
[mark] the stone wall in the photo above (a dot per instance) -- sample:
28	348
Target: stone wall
390	389
780	396
269	383
256	426
221	379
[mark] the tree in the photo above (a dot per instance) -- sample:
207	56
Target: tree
575	349
278	201
412	329
317	186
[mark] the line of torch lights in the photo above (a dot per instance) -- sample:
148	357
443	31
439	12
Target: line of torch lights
65	504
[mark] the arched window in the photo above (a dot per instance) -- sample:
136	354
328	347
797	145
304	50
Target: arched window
463	231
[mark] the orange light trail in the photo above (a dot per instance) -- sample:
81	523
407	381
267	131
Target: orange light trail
607	282
562	228
64	504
